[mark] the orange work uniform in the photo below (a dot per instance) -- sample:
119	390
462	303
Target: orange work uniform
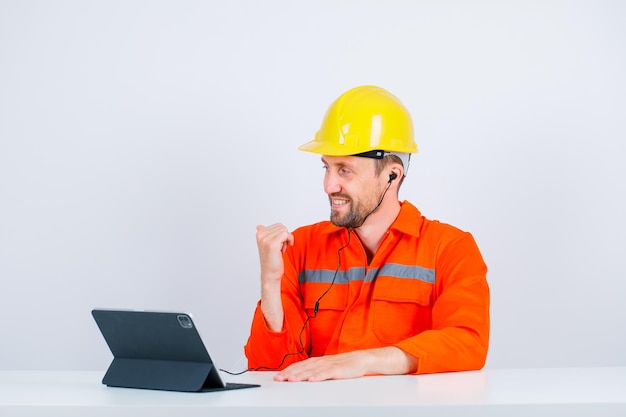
425	291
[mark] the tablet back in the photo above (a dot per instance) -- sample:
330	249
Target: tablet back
157	350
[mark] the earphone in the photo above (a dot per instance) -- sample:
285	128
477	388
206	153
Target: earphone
392	176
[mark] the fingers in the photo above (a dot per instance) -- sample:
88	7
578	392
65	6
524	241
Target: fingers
274	237
311	370
342	366
272	241
307	370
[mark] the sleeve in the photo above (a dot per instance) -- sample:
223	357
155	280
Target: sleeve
267	350
459	337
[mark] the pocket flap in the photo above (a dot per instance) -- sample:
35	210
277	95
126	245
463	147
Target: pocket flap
335	299
403	290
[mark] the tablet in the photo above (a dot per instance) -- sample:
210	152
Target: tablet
158	350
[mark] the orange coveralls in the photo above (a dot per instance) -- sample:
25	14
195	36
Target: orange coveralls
425	291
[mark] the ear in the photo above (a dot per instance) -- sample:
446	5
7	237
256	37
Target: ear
396	172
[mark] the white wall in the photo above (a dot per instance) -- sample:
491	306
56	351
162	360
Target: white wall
141	142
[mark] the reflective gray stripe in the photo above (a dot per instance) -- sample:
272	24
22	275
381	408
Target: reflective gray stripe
353	274
408	272
326	275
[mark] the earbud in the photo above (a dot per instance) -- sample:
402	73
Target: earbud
392	176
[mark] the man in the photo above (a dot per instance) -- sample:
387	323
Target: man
378	289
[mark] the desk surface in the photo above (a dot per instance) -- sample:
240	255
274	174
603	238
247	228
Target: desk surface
498	392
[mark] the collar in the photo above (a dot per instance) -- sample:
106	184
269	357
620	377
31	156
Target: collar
409	220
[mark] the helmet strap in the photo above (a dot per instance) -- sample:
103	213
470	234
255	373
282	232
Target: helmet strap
380	154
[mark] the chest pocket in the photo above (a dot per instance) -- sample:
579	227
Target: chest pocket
401	308
331	308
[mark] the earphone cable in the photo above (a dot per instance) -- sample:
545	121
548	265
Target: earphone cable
308	317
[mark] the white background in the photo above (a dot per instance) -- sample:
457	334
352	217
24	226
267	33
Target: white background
141	142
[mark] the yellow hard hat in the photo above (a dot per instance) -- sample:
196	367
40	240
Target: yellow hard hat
361	120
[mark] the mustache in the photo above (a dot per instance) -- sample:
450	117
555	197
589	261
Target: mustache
338	195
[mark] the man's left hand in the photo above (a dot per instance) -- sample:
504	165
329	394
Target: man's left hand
387	360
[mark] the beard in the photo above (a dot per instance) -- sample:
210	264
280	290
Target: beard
356	215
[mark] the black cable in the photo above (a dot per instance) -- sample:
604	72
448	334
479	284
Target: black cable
380	201
308	317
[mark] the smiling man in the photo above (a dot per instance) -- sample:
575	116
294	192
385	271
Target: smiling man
378	289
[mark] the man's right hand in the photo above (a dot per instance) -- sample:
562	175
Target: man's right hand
272	241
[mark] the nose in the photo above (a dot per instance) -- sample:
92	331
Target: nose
331	184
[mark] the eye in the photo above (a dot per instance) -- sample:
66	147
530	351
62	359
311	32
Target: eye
325	168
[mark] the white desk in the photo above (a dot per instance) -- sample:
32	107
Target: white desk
510	393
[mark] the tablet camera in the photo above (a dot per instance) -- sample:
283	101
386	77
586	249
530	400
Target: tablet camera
184	321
